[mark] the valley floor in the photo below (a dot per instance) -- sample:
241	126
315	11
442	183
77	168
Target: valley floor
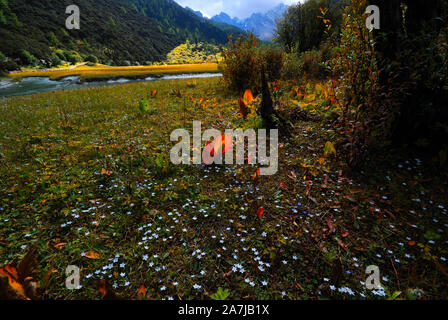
103	71
86	180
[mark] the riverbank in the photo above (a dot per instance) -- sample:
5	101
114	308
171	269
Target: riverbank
107	72
31	85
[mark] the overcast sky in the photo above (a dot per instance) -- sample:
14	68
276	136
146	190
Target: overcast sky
235	8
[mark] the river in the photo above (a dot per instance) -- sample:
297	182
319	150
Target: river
31	85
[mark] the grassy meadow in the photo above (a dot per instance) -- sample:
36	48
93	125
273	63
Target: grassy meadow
86	179
103	71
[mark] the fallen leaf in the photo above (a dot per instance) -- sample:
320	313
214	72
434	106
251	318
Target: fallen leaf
21	282
92	255
329	149
331	226
60	245
106	172
142	291
260	212
106	291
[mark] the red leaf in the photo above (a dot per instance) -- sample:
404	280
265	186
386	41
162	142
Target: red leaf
142	291
260	212
243	109
330	225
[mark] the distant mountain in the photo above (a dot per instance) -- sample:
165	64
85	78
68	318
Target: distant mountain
262	24
198	13
228	28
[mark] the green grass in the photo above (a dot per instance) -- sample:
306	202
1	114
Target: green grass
83	171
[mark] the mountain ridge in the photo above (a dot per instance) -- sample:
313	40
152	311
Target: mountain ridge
261	24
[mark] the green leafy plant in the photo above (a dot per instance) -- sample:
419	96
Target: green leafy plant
143	106
221	294
2	57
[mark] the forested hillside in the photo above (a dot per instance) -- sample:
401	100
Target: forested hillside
182	22
114	31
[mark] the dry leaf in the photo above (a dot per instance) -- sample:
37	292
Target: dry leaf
92	255
106	291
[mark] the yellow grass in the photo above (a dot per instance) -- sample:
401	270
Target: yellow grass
107	71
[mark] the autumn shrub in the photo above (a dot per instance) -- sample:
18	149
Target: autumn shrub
313	64
272	58
308	64
244	61
241	68
363	120
292	66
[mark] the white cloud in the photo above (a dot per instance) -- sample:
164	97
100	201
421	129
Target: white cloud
235	8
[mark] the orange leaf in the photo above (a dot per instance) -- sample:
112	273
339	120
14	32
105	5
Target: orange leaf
142	291
248	97
260	212
11	273
411	243
48	275
92	255
104	171
60	245
256	174
106	291
102	287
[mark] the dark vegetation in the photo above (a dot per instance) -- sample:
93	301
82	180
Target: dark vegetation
183	23
390	85
245	59
108	31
